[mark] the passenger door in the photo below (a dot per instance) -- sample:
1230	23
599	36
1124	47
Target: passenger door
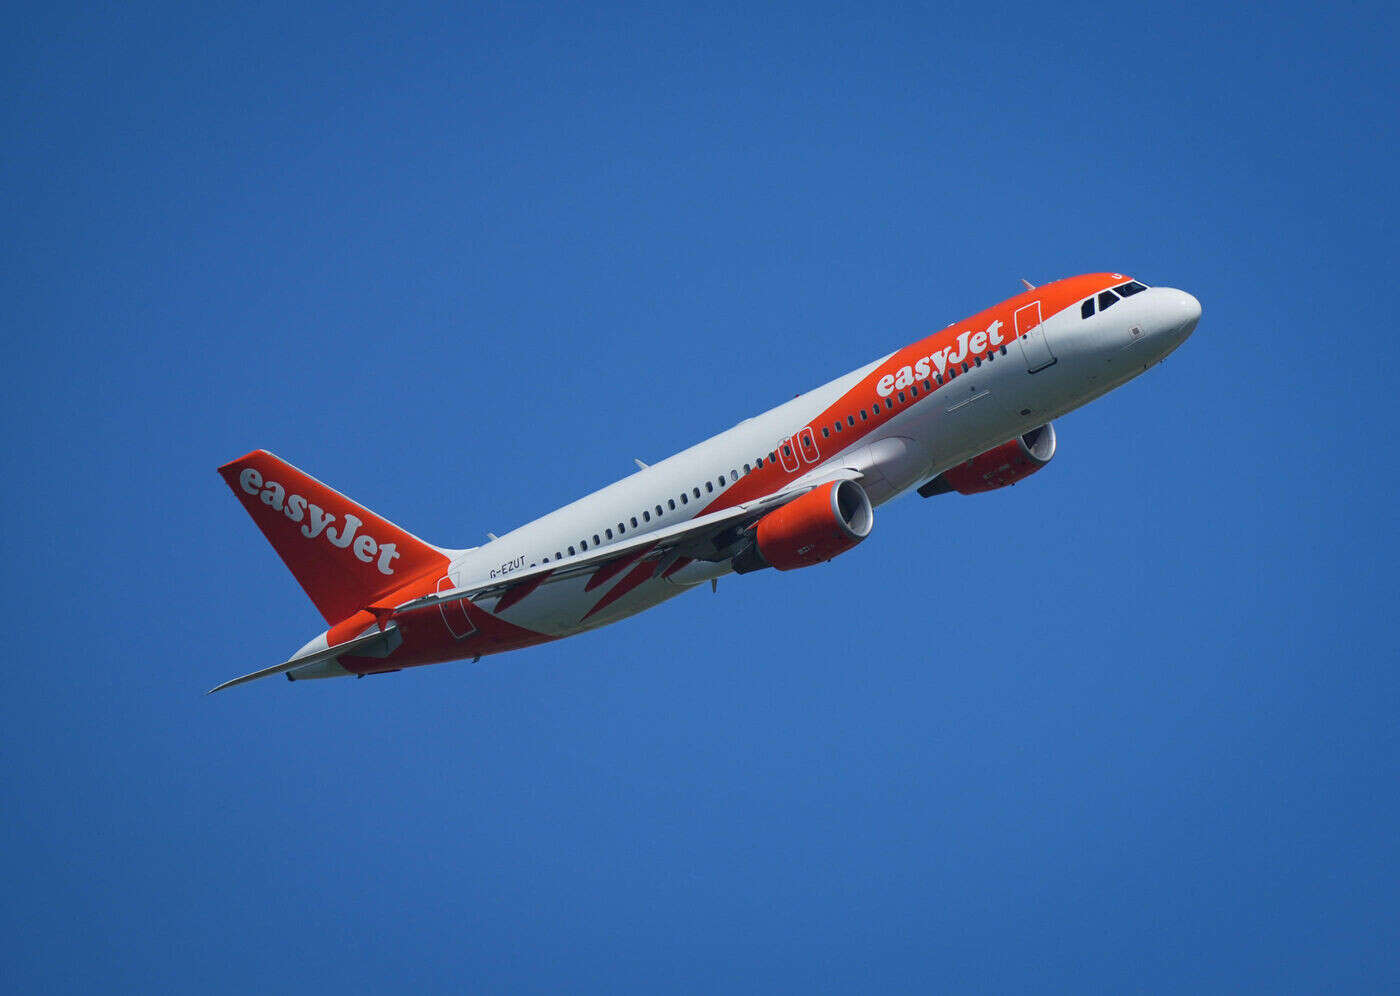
1030	330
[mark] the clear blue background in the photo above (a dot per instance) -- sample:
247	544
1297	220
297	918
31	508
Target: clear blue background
1129	725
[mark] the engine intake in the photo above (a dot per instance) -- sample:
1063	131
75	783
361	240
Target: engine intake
1012	461
829	519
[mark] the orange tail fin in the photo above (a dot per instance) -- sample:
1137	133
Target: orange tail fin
341	553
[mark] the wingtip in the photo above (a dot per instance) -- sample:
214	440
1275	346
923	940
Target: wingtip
244	679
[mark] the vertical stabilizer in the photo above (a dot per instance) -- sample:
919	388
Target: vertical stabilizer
341	553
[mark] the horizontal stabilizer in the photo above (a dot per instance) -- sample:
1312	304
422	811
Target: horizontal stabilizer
371	644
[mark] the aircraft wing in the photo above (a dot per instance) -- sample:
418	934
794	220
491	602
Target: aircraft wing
663	546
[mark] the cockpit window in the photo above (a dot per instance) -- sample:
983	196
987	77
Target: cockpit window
1086	310
1130	288
1107	300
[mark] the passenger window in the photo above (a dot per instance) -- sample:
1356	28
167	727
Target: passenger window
758	464
1107	300
747	469
901	397
888	404
709	488
646	516
584	545
671	504
659	513
733	475
787	450
964	366
684	499
939	379
609	533
634	522
850	420
826	433
1003	350
1130	288
772	457
572	551
560	556
1086	310
838	426
697	492
928	386
596	540
914	391
862	415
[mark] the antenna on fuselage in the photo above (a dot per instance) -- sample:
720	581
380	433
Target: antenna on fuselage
1029	285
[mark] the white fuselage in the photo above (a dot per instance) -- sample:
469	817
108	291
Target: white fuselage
994	401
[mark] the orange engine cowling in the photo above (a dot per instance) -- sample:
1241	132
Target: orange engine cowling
1008	463
829	519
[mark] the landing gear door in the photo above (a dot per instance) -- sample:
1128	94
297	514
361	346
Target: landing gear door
1031	333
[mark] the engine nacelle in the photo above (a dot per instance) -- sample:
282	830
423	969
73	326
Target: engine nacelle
827	520
1012	461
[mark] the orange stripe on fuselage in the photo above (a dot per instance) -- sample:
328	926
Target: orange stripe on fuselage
520	591
615	567
637	576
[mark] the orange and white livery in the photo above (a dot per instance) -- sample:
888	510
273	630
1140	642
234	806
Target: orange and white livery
966	409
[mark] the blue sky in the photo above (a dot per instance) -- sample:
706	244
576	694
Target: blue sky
1129	725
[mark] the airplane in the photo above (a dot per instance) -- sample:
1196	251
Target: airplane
969	409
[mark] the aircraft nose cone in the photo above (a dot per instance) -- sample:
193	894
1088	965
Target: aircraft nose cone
1183	312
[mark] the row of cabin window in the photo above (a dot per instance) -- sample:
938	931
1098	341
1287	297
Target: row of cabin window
646	515
671	504
772	458
913	392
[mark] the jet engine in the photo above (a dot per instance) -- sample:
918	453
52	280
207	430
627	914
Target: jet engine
829	519
1012	461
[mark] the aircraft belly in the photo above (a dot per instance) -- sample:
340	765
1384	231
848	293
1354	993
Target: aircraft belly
639	599
563	607
890	465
